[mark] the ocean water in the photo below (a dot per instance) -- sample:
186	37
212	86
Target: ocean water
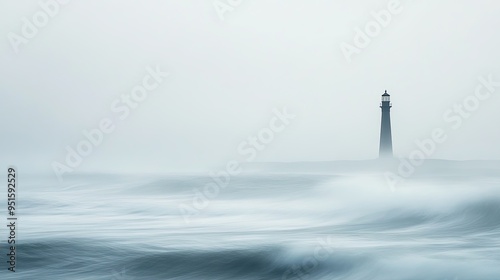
441	223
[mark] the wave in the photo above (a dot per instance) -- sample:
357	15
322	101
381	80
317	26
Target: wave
71	259
264	227
92	259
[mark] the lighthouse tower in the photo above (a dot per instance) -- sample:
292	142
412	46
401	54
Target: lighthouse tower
385	130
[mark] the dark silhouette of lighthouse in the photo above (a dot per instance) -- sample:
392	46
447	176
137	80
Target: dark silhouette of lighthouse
385	130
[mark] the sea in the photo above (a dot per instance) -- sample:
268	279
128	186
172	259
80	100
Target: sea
325	220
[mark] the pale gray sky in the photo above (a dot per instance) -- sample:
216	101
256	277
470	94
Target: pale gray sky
227	76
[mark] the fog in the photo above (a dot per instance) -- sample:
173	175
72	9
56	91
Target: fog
227	77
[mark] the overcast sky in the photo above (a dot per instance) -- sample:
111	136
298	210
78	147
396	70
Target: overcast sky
227	76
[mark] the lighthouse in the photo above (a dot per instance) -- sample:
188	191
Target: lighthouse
385	150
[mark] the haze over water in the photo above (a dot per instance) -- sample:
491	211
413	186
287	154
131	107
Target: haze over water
443	223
